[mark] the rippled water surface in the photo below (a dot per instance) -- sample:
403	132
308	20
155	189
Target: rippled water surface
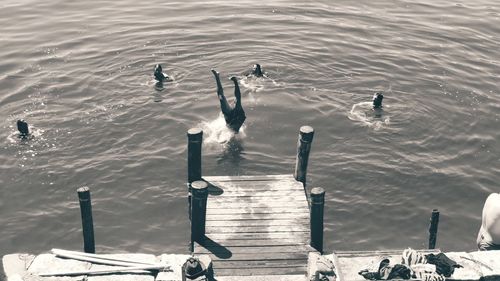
80	72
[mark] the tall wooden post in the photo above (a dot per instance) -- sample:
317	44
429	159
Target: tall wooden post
433	229
87	222
195	139
199	190
306	135
316	217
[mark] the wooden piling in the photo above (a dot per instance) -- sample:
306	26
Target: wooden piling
195	139
316	218
433	229
87	222
306	135
199	190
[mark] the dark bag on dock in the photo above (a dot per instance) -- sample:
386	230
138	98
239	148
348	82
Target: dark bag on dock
444	265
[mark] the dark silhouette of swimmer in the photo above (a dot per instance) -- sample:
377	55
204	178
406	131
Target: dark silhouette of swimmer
234	116
159	75
377	100
22	127
257	71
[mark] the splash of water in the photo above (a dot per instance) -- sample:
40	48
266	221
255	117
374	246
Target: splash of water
363	112
216	131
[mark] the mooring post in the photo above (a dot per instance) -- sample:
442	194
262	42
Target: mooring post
199	190
87	222
316	218
433	229
306	135
195	139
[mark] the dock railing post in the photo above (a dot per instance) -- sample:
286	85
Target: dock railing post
433	229
199	190
306	135
316	217
87	222
195	139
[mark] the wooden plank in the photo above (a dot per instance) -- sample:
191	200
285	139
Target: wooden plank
300	236
263	257
257	183
260	271
256	229
261	263
277	211
249	178
257	188
270	222
253	198
218	217
256	249
250	243
259	205
275	277
263	192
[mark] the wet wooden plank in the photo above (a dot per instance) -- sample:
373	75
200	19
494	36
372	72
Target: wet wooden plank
250	243
254	205
218	217
275	211
249	178
256	198
256	229
261	257
261	271
256	249
261	263
270	222
299	236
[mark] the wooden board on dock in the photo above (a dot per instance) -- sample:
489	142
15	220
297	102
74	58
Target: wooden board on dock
256	225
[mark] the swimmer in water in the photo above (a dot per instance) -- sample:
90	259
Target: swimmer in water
22	127
377	100
234	116
257	71
159	75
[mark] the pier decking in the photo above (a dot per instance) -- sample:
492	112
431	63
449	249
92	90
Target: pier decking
256	225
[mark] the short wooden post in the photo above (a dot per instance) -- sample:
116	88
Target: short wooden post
433	229
316	223
199	190
195	139
87	222
306	135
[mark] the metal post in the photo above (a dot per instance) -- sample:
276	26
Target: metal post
316	223
433	229
303	148
199	197
195	139
87	222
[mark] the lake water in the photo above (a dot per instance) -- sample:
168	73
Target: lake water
80	72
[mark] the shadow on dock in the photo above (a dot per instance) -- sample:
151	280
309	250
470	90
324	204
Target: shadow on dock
215	248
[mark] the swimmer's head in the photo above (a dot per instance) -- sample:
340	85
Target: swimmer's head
159	73
257	70
377	100
23	129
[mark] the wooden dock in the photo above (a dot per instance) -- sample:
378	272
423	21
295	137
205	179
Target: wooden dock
256	225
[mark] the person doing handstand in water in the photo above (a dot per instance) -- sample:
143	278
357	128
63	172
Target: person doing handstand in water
234	116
